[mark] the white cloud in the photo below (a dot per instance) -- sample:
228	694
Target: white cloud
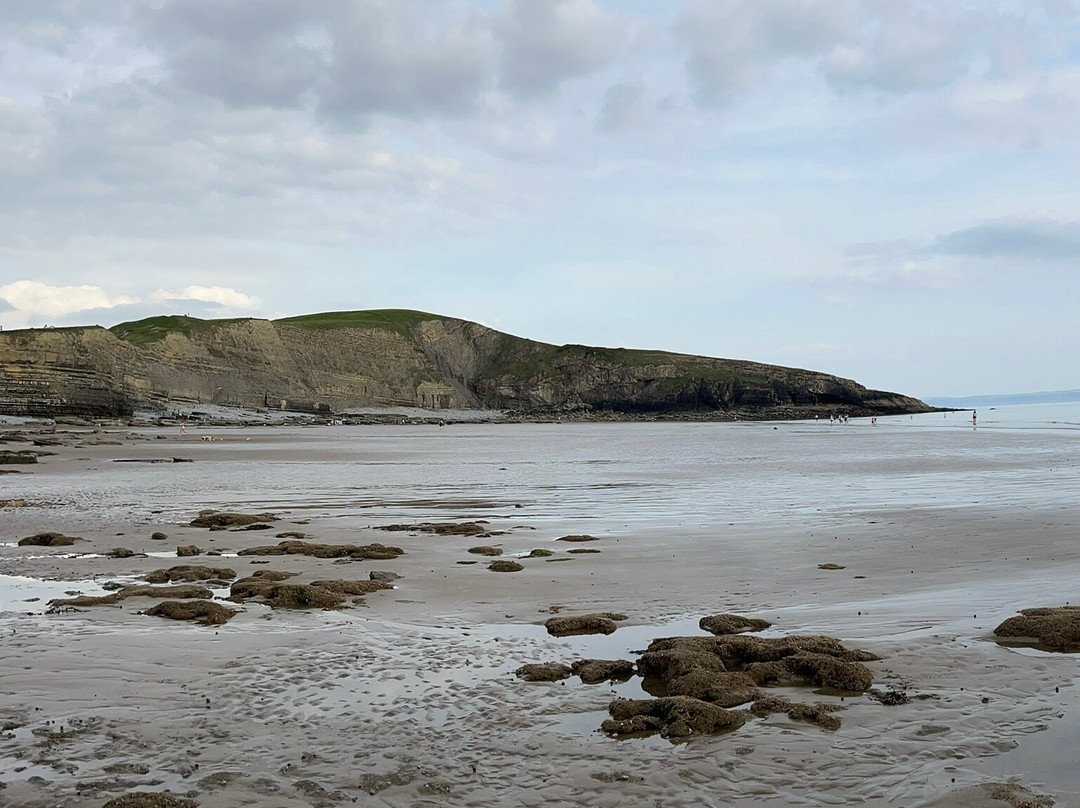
228	299
32	299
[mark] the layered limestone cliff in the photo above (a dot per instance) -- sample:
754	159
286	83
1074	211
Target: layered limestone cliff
346	360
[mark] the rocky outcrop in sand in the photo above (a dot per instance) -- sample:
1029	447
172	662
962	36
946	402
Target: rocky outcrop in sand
1056	628
203	612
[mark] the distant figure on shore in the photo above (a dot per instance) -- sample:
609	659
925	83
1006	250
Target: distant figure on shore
183	430
974	418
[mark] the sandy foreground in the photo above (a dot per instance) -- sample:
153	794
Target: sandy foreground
410	699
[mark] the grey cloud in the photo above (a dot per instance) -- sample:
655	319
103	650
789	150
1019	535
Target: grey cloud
732	44
546	43
623	106
1043	239
384	60
899	47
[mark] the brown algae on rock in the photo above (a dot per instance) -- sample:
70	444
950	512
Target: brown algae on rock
204	612
1053	628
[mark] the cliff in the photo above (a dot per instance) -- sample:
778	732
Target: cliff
345	360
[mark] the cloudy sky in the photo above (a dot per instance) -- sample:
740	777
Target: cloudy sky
888	190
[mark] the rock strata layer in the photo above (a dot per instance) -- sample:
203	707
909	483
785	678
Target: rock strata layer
345	360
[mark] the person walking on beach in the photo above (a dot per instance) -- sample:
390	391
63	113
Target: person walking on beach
974	418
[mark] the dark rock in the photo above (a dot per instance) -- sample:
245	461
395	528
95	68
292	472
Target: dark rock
594	671
383	576
352	587
292	547
183	591
505	566
581	624
540	553
286	596
671	716
204	612
543	672
725	689
49	539
441	528
577	538
18	458
158	536
820	714
485	550
222	519
731	624
1055	628
189	573
150	799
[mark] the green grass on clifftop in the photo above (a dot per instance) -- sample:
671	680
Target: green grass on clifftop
154	329
399	320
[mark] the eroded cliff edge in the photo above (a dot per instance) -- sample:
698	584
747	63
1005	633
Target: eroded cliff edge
346	360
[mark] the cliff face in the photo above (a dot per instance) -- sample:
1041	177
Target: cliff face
392	358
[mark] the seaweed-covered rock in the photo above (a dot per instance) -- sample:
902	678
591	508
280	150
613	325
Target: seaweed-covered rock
505	566
543	672
827	671
124	552
594	671
486	550
745	649
831	566
820	714
204	612
291	534
578	537
581	624
292	547
673	717
286	596
384	576
150	799
190	572
271	575
223	519
1056	628
187	550
731	624
49	539
24	457
352	587
679	661
540	553
725	689
157	535
182	591
441	528
583	551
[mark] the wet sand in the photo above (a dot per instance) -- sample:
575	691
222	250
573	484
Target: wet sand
410	698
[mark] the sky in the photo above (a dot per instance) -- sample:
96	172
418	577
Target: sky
888	191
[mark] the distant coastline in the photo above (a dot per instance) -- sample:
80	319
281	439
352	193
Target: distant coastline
993	399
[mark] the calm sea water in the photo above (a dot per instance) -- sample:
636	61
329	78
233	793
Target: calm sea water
640	474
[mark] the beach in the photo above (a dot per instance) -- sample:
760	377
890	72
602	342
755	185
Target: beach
935	532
